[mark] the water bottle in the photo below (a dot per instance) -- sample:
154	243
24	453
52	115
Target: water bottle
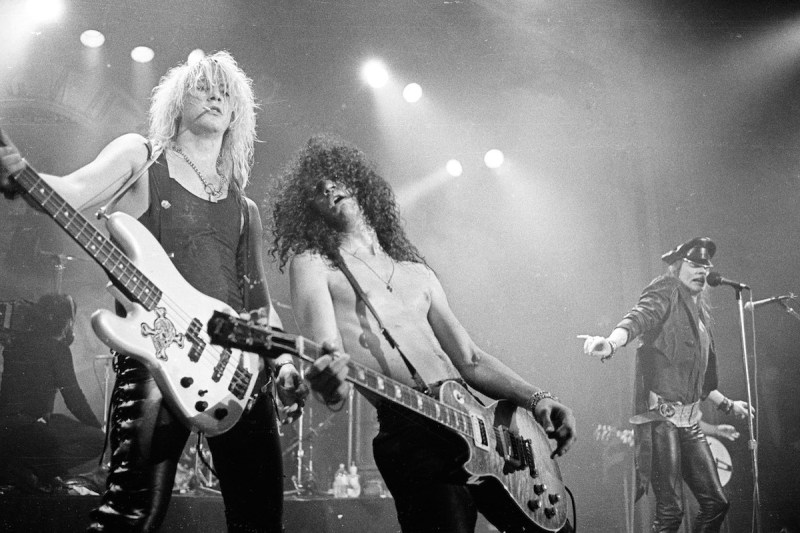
340	483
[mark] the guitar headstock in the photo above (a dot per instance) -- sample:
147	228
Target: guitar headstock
235	332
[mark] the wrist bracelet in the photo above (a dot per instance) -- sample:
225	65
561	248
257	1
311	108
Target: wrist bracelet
726	406
537	397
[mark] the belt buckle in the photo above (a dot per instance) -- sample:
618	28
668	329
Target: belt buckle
666	410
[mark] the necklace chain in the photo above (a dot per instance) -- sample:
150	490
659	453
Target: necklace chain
388	282
209	189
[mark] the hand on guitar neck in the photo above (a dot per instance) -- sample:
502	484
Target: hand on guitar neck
11	164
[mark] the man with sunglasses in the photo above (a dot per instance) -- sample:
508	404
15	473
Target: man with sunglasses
676	368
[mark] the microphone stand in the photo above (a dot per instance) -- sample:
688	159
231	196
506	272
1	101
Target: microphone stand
752	444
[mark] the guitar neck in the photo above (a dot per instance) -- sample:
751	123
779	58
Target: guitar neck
241	334
392	390
107	254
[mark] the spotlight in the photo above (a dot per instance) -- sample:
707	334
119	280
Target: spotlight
454	168
493	158
412	93
92	39
45	10
195	56
375	74
142	54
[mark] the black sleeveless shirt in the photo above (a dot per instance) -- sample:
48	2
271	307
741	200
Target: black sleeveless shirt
202	238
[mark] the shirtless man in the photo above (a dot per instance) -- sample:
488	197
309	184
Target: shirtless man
332	206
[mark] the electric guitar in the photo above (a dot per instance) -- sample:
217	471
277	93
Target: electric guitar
509	450
208	387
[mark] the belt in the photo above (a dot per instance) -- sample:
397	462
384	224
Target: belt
680	414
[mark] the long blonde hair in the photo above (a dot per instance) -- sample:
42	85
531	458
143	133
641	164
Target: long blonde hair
168	99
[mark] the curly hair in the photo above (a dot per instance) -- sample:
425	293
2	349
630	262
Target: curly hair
298	227
181	82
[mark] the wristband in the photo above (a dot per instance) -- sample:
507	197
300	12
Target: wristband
537	397
613	346
726	406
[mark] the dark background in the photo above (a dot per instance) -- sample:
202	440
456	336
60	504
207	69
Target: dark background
628	127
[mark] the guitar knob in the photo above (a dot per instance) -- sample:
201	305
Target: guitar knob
554	498
186	382
201	406
534	505
539	488
550	512
220	413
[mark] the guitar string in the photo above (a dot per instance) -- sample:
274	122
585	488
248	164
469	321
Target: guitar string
186	319
464	426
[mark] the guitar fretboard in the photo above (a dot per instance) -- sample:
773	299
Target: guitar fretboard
247	336
107	254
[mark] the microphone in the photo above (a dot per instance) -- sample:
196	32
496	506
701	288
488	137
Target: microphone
714	279
758	303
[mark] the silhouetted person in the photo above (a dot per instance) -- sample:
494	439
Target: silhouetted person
39	445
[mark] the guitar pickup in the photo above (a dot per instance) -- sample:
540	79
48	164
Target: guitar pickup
198	344
219	368
528	451
479	434
512	446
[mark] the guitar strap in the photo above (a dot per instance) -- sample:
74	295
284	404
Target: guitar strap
420	384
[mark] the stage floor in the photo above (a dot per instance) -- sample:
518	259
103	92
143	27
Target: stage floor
200	514
204	514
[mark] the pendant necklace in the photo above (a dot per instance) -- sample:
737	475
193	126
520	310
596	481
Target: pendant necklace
388	282
210	190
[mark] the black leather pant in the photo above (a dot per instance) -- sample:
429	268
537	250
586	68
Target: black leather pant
421	465
682	454
146	445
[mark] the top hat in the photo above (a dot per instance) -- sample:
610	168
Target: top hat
699	250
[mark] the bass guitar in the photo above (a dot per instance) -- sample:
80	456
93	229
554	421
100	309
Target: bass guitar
510	455
209	387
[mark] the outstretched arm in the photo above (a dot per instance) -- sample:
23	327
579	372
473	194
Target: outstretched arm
492	377
650	311
94	184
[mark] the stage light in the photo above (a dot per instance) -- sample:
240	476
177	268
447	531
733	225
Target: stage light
375	74
412	93
493	158
142	54
92	39
195	56
44	10
454	168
